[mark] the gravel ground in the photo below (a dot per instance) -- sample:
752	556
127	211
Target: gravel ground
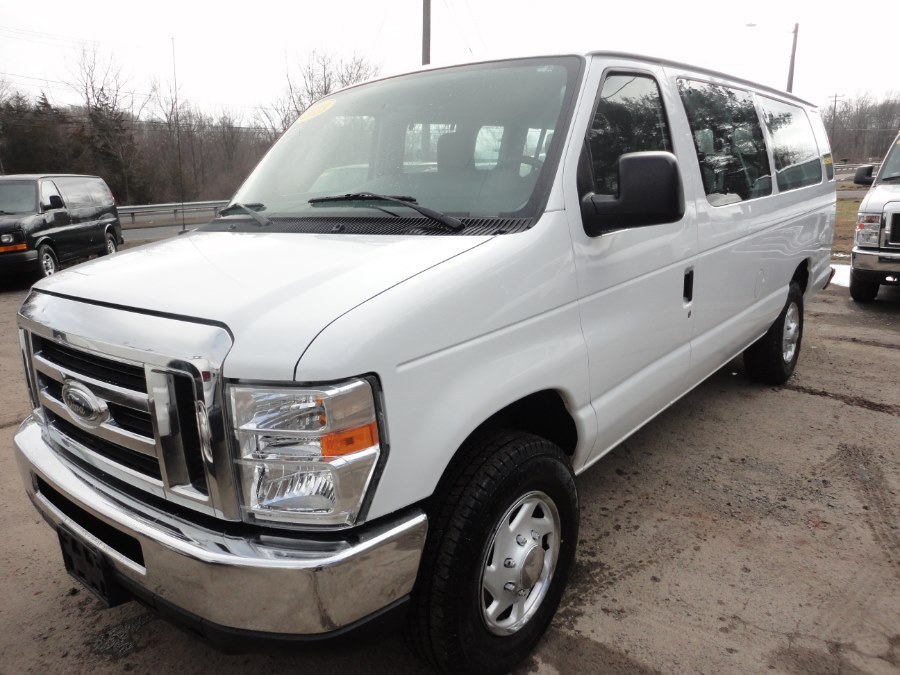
748	529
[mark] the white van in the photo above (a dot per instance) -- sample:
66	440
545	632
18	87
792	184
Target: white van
875	259
369	384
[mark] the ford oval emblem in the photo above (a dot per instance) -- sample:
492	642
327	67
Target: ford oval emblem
86	409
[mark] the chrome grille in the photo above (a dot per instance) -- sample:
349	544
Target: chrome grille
125	396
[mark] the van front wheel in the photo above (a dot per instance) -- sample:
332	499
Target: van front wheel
773	357
500	544
862	290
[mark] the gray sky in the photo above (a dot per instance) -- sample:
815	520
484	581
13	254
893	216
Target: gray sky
233	55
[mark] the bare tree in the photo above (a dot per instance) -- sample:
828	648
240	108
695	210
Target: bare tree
319	74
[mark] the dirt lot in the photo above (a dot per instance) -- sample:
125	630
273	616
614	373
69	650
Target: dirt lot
748	529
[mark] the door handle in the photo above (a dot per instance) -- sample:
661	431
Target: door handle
688	285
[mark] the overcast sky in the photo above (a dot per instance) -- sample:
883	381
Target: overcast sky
232	55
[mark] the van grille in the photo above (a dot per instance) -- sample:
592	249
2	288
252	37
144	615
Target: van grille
129	440
895	230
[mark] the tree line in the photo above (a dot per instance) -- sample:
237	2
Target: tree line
153	147
861	128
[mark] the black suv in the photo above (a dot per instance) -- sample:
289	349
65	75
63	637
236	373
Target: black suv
46	220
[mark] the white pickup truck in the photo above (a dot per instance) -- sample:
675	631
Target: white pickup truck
368	385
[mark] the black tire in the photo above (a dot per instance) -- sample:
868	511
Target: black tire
862	290
447	622
111	245
769	360
48	264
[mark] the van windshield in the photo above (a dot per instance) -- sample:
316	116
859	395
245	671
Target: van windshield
475	141
891	169
17	196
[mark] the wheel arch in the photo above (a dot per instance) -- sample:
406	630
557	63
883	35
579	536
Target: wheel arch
801	275
542	413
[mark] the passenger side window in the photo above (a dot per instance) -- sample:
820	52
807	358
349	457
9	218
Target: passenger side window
48	189
797	161
487	146
629	118
728	138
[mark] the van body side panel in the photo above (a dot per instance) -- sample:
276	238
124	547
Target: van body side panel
636	320
749	251
465	339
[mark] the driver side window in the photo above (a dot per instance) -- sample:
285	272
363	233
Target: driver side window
48	189
629	118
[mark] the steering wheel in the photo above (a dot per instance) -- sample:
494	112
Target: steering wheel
517	161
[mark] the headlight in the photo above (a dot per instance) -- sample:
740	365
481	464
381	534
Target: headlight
6	239
306	455
868	229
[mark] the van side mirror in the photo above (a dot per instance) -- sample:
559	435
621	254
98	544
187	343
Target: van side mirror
650	193
56	202
864	175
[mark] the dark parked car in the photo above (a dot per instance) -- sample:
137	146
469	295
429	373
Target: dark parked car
49	219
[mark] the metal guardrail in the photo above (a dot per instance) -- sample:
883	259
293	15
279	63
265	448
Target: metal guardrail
174	209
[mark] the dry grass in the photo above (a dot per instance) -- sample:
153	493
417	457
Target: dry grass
845	225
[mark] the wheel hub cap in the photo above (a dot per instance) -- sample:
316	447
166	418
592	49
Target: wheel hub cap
791	334
519	563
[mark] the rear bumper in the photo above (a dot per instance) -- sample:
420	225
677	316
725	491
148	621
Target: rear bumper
876	265
230	580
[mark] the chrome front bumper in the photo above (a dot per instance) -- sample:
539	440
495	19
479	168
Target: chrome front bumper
882	261
247	579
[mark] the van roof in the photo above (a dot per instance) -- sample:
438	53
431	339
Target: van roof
707	71
36	176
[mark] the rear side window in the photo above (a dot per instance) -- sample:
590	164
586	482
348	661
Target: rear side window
76	191
731	150
629	118
99	192
797	161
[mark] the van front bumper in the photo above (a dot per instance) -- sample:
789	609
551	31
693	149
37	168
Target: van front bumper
230	577
875	265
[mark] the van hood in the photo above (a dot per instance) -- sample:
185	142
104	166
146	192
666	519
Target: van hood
275	292
13	221
878	196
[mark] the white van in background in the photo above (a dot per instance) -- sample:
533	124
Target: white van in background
875	259
368	385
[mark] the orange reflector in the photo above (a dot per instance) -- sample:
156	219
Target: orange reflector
350	440
14	247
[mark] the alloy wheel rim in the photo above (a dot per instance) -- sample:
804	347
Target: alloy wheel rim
518	565
110	245
49	264
791	334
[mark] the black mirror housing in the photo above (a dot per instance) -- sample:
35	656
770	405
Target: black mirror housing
864	175
56	202
650	193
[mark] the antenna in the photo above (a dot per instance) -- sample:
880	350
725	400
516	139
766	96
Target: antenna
178	140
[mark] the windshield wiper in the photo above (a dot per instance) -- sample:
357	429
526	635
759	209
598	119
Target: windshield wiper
887	178
250	210
402	200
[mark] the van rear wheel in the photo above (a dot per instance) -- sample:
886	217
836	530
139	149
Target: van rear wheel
773	357
862	290
111	244
500	544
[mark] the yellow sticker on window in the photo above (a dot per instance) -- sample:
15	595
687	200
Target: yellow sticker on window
828	160
316	109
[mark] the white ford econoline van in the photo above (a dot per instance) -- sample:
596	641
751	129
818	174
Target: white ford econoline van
876	255
368	385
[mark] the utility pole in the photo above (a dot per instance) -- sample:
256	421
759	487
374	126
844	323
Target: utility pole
178	138
834	119
426	32
790	86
